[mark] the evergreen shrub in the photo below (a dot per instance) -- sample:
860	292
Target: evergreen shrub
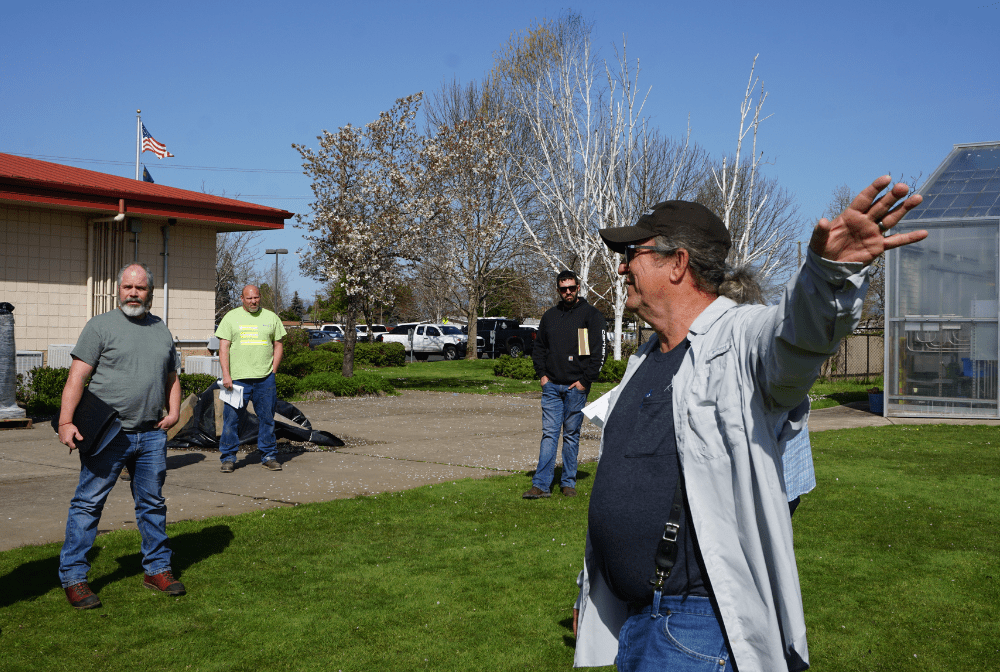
612	371
295	341
520	368
357	385
286	385
195	383
42	392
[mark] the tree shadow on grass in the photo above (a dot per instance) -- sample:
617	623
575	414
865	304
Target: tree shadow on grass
189	549
30	580
37	577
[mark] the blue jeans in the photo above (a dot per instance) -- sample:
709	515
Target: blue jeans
146	455
264	395
681	633
562	408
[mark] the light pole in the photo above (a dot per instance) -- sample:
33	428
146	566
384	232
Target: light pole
274	289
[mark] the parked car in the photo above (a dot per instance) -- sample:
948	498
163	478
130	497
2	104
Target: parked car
496	336
319	337
376	329
399	329
429	339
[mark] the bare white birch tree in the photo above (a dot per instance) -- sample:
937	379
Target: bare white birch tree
757	242
549	75
592	164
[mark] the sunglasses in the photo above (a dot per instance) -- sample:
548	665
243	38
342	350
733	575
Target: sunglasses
569	288
630	252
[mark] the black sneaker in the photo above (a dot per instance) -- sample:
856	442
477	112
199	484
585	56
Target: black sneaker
228	467
536	493
80	596
271	465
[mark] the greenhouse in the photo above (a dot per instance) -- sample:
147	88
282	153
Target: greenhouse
941	294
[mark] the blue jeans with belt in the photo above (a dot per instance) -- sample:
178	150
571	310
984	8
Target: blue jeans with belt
562	409
146	455
678	633
264	394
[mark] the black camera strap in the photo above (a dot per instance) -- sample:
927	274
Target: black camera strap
666	550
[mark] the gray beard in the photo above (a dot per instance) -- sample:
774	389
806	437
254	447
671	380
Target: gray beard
132	310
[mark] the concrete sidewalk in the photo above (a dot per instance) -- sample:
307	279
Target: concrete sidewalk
393	443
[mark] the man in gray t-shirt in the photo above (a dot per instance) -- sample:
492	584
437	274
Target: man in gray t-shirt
130	357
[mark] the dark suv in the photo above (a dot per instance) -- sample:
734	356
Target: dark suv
497	336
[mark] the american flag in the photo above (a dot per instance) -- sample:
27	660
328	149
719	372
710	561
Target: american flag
149	144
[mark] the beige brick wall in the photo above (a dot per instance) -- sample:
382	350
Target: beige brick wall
43	273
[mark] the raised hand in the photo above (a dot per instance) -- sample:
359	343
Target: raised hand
857	234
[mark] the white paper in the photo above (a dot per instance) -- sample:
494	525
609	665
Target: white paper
597	412
233	397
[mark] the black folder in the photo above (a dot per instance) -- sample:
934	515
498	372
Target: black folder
93	419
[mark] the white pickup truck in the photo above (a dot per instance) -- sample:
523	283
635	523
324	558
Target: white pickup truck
428	339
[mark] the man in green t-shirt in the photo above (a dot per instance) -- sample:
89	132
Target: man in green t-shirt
130	358
250	351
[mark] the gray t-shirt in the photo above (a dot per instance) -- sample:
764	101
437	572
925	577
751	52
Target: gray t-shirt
131	360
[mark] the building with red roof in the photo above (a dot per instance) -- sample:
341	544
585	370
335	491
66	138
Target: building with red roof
66	232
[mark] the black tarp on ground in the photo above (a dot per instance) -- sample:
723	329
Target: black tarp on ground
199	432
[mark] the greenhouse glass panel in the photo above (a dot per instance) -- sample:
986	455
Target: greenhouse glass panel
942	326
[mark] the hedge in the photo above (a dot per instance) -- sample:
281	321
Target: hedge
195	383
360	383
376	354
520	368
41	393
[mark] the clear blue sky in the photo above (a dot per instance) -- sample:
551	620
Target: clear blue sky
856	89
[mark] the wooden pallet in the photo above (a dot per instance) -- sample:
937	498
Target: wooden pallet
15	423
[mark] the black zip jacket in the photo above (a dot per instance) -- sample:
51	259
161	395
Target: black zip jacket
555	353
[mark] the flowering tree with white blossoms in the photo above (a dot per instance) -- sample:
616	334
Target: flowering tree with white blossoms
371	203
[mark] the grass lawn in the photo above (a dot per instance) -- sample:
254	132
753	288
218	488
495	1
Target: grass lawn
897	552
463	375
825	394
477	376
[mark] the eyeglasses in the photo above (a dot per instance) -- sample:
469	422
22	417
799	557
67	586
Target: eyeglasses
569	288
630	252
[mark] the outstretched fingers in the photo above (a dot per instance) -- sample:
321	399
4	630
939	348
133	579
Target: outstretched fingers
892	217
900	239
865	201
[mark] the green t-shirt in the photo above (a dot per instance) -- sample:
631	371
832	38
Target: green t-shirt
251	339
131	360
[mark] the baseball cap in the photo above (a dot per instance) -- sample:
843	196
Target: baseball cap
670	218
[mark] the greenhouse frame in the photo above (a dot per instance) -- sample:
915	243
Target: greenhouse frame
941	320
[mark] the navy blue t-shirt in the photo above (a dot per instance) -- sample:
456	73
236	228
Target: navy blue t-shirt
634	488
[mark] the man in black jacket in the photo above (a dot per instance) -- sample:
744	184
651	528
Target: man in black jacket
568	356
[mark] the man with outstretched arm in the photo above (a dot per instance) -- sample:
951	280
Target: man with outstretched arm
133	363
689	561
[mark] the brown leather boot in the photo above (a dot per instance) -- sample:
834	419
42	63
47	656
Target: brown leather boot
80	596
164	582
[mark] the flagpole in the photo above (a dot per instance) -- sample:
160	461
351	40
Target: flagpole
138	140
